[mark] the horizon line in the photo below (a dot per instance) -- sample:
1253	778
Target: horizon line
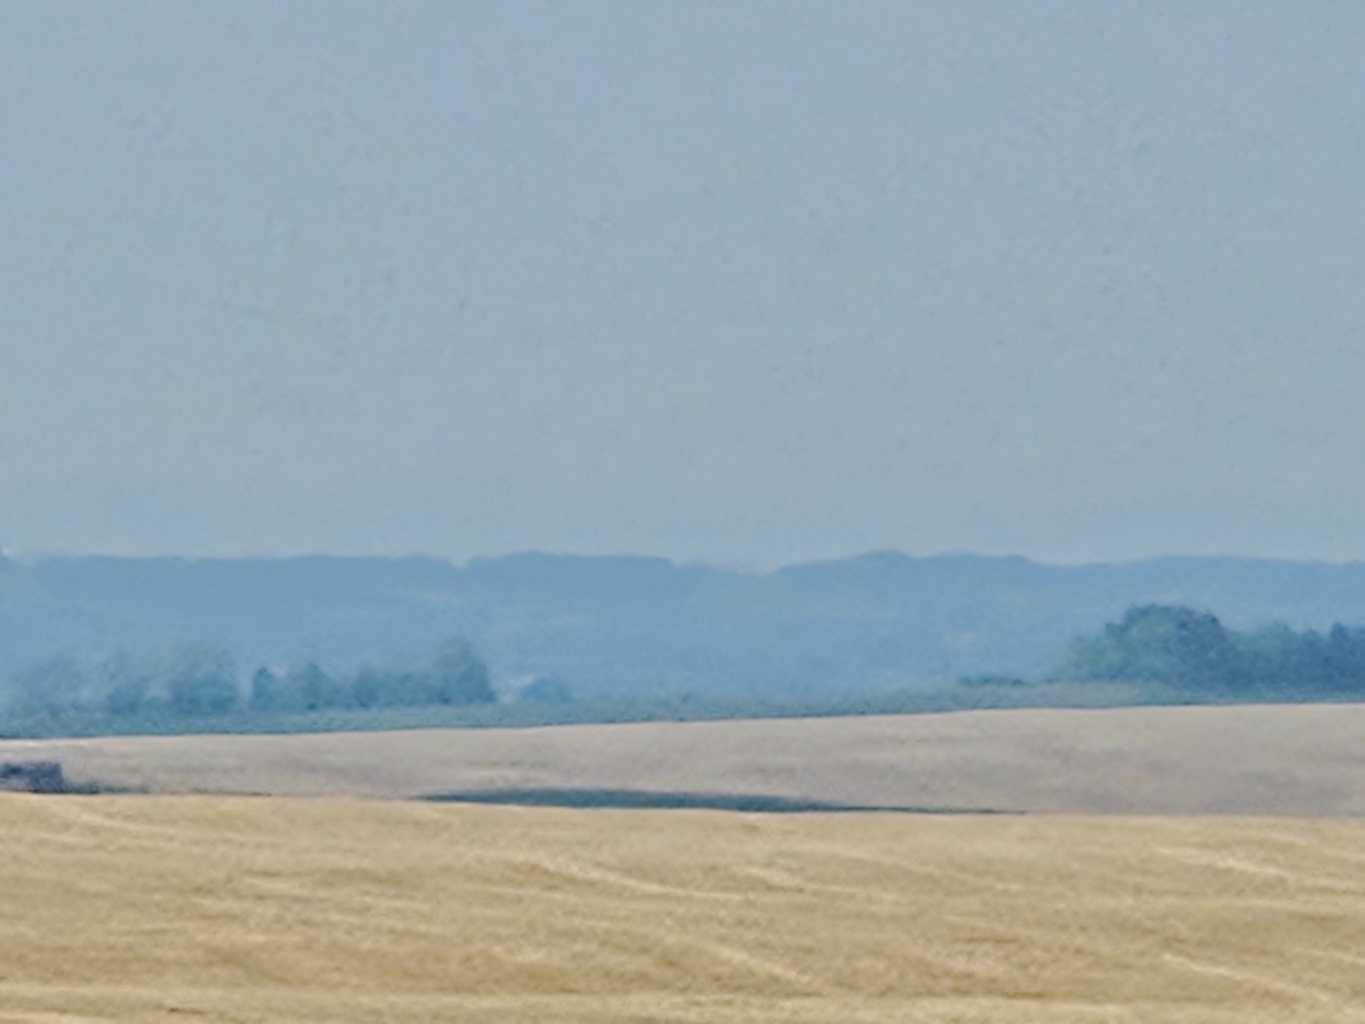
38	556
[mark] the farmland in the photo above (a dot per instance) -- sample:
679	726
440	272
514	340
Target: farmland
1166	864
1285	760
254	909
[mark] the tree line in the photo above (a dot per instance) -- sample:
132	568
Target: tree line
205	680
1193	650
1177	647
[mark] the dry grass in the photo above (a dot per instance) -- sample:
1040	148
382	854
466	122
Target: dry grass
1294	760
249	910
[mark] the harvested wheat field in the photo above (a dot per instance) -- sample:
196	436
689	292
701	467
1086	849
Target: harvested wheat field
1293	760
254	909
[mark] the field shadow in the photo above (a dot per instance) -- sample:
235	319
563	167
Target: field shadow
642	799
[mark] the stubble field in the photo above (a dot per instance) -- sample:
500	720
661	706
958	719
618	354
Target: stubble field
261	909
1222	881
1268	759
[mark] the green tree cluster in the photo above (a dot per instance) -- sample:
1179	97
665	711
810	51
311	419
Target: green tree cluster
1194	651
455	676
198	681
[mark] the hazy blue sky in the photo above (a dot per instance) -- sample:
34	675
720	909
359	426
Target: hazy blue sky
746	282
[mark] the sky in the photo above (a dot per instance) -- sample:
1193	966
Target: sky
744	283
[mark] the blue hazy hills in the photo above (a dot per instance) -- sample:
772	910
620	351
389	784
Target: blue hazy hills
641	626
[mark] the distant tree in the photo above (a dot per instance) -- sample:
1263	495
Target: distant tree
306	688
367	688
202	681
406	689
374	688
1188	648
459	676
1270	657
1345	656
1160	642
314	688
125	683
267	691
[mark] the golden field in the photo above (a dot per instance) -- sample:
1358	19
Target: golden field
1222	881
1288	760
256	909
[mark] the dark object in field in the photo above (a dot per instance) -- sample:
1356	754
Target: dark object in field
665	800
32	777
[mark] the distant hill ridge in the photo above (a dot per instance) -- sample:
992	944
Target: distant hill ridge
639	625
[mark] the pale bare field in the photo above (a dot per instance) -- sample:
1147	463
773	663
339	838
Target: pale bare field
334	910
1291	760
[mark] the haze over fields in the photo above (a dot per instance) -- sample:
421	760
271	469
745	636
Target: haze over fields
392	365
643	627
747	290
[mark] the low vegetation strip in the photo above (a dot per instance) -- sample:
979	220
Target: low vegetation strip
1156	655
1287	760
341	910
155	719
32	777
653	799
